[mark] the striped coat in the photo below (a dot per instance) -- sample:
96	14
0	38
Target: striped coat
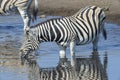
81	28
23	6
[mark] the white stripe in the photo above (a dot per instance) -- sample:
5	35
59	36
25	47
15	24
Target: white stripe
53	28
59	30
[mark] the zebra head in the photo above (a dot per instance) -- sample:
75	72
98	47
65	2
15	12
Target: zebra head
29	45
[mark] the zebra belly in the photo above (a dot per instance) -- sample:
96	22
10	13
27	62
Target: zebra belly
85	40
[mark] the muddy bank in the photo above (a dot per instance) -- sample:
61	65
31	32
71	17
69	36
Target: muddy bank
69	7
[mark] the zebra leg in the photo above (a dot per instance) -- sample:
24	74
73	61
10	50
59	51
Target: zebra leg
62	52
62	55
72	53
95	44
26	17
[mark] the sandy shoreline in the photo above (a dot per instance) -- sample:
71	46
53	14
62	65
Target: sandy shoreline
70	7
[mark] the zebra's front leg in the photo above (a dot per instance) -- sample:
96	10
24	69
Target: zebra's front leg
95	44
62	55
26	18
62	52
72	53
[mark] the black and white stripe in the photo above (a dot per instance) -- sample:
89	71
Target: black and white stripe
81	28
90	68
23	6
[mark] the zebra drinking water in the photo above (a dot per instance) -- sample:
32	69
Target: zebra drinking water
79	29
23	6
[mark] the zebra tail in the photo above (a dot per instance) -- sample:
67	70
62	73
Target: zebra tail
104	34
35	10
105	8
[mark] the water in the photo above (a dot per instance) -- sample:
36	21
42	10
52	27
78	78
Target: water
11	32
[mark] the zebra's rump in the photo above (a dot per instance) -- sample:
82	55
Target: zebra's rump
82	40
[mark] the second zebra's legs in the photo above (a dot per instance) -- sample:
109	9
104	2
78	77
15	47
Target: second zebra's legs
95	44
26	17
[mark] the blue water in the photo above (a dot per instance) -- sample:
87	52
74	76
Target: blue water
11	29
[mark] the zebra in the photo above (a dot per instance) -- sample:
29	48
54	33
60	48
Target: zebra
81	28
23	6
90	68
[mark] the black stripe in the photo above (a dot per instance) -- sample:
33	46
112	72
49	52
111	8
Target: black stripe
79	31
103	19
0	3
84	26
22	2
50	36
65	29
12	6
68	25
41	33
94	69
83	12
51	31
46	29
62	33
5	5
15	2
57	30
99	23
82	73
94	21
88	19
81	25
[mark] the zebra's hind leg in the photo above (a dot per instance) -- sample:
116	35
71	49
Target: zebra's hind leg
72	53
95	44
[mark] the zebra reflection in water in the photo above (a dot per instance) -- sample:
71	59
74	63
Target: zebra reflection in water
90	68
